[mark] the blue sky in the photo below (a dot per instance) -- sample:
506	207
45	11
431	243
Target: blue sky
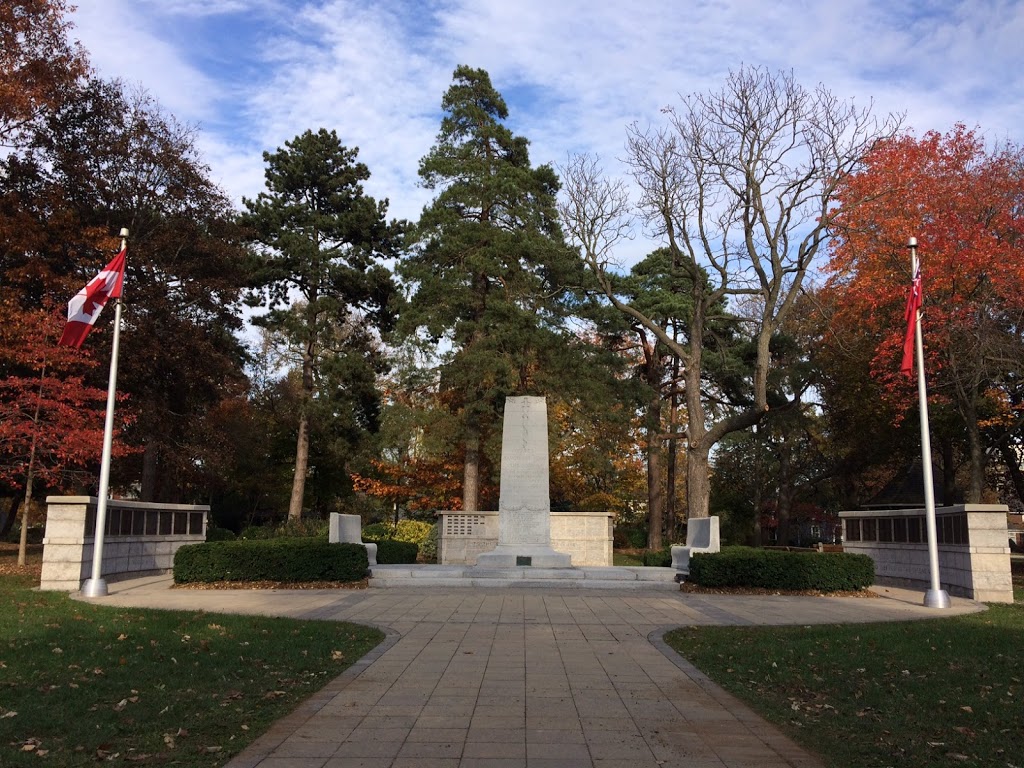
255	73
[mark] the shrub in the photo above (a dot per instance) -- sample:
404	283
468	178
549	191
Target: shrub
428	547
745	567
392	552
285	560
661	558
415	531
290	529
213	533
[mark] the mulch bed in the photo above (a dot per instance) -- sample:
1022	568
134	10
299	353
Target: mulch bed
361	584
695	589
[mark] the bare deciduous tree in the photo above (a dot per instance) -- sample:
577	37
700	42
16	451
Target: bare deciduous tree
739	185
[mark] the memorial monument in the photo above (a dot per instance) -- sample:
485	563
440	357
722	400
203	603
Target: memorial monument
524	505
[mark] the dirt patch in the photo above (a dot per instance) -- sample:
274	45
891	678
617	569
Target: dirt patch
696	589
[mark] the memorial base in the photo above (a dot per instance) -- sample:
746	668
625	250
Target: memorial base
505	555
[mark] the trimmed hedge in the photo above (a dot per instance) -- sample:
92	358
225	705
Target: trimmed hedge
285	560
394	552
745	567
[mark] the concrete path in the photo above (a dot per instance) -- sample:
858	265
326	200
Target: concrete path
532	678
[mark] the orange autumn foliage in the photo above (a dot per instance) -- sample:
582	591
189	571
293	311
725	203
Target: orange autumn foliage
962	203
418	484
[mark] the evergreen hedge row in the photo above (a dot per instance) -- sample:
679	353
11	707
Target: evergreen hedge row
768	569
286	560
394	552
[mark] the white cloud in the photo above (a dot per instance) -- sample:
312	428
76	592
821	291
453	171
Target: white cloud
575	72
124	43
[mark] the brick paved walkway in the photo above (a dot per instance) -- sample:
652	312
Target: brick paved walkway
531	678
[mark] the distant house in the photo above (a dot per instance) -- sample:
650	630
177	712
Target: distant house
1015	528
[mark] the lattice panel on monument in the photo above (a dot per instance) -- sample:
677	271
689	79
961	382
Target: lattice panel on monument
462	525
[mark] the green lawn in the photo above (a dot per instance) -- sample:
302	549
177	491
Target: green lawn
81	683
627	558
936	692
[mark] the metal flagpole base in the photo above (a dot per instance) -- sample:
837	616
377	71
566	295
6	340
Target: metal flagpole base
936	598
98	588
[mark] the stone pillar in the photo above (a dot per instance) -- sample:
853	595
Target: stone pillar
349	529
524	507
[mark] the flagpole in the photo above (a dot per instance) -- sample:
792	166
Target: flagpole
936	596
96	586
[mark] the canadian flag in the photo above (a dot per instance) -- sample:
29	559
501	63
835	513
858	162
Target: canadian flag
86	305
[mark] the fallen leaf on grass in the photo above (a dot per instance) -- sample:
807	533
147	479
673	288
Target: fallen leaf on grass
208	750
10	713
274	694
967	709
337	655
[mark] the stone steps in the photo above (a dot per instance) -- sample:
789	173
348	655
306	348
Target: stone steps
594	577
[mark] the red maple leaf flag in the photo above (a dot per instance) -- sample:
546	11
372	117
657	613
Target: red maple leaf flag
913	305
86	305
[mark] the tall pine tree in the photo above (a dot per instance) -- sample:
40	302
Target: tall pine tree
488	273
320	237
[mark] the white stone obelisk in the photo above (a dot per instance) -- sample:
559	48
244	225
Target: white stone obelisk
524	505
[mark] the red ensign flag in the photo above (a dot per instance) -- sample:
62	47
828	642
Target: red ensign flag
86	305
913	305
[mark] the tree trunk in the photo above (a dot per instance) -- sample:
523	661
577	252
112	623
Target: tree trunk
977	455
301	468
785	497
302	443
698	481
471	469
655	493
670	490
12	513
757	532
1012	461
948	473
672	458
150	464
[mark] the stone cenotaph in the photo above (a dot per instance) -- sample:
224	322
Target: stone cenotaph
524	506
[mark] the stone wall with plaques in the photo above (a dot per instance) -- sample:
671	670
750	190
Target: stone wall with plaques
586	536
140	540
973	547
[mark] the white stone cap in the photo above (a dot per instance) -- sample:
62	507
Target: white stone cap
917	512
127	503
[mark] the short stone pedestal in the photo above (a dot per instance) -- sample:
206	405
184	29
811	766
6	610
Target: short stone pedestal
348	529
701	536
524	507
